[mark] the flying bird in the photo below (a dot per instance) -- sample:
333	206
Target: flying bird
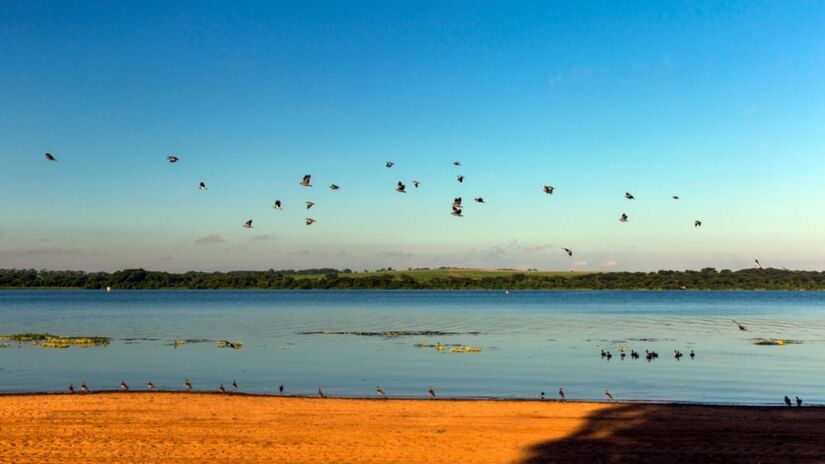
247	224
457	203
697	223
305	181
333	187
568	251
380	392
479	200
277	204
456	212
202	186
459	178
629	196
608	395
548	189
124	386
187	385
675	197
389	164
310	204
310	221
431	392
623	218
692	354
401	188
456	163
172	159
415	183
49	157
741	327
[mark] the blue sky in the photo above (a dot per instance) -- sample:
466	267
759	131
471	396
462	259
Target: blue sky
722	103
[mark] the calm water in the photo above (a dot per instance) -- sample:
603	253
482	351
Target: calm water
530	341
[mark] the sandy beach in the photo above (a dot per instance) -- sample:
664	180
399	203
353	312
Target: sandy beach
199	427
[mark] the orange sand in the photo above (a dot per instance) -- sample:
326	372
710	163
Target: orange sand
193	427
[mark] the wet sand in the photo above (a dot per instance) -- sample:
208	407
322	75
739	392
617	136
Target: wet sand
197	427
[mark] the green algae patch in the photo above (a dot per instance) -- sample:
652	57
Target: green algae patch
47	340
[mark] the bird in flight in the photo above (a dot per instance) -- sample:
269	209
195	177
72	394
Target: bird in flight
305	181
623	218
456	163
247	224
479	200
49	157
333	187
675	197
741	327
457	203
697	223
401	188
548	189
457	212
310	221
629	196
310	204
459	178
172	159
277	204
202	186
389	164
568	251
416	183
380	392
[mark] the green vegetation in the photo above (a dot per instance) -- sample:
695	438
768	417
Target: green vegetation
421	279
45	340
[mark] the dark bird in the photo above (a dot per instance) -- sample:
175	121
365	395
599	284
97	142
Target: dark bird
124	386
741	327
787	401
222	389
310	221
84	388
623	218
629	196
310	204
305	181
568	251
542	395
622	355
677	354
457	203
202	186
416	183
457	212
692	354
697	223
150	385
49	157
187	384
758	266
675	197
459	178
281	388
321	393
234	385
380	392
604	354
333	187
634	354
548	189
172	159
609	356
561	393
401	188
798	402
71	388
431	392
456	163
247	224
478	200
608	395
277	204
389	164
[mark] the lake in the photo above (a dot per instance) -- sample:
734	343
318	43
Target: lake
529	341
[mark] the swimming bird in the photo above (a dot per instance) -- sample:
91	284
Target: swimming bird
431	392
542	395
401	188
305	181
310	204
456	212
459	178
247	224
416	183
758	266
234	385
604	354
172	159
71	388
675	197
798	402
787	401
49	157
697	223
478	200
741	327
677	354
561	393
634	354
310	221
623	218
277	204
202	186
456	163
321	393
692	354
389	164
622	355
568	251
609	356
124	386
281	388
187	385
629	196
380	392
222	389
548	189
333	187
608	395
150	385
84	388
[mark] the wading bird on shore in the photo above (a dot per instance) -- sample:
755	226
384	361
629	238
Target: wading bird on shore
431	392
84	388
561	393
187	385
798	402
380	392
541	395
124	386
305	181
321	393
150	385
758	266
787	401
221	388
281	388
247	224
71	388
608	395
234	385
49	157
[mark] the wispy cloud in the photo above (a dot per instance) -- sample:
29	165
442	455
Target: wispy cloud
209	239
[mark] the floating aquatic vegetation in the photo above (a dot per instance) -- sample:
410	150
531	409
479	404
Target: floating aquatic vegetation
185	341
453	348
4	345
775	341
393	333
46	340
228	344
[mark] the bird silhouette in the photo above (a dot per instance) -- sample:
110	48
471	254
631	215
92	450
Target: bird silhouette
416	183
431	392
478	200
787	401
150	385
172	159
187	385
234	385
124	386
84	388
692	354
334	187
71	388
380	392
221	388
697	223
305	181
281	388
389	164
548	189
798	402
741	327
608	395
675	197
758	266
321	393
401	188
459	178
629	196
202	186
568	251
310	204
541	395
561	393
277	204
457	212
309	221
49	157
456	163
247	224
623	218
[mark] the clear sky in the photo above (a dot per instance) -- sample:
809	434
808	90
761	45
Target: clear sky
721	103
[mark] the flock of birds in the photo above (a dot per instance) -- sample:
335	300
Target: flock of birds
649	355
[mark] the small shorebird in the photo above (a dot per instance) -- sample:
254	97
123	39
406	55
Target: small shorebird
281	388
124	386
247	224
741	327
479	200
401	188
561	393
49	157
431	392
798	402
187	384
787	401
623	218
305	181
222	389
380	392
416	183
542	395
309	221
202	186
277	204
459	178
389	164
310	204
697	223
321	393
334	187
234	385
172	159
71	388
548	189
608	395
150	385
629	196
568	251
84	388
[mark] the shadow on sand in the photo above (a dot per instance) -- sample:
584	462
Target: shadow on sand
691	434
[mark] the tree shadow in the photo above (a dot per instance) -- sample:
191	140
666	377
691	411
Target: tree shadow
634	433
